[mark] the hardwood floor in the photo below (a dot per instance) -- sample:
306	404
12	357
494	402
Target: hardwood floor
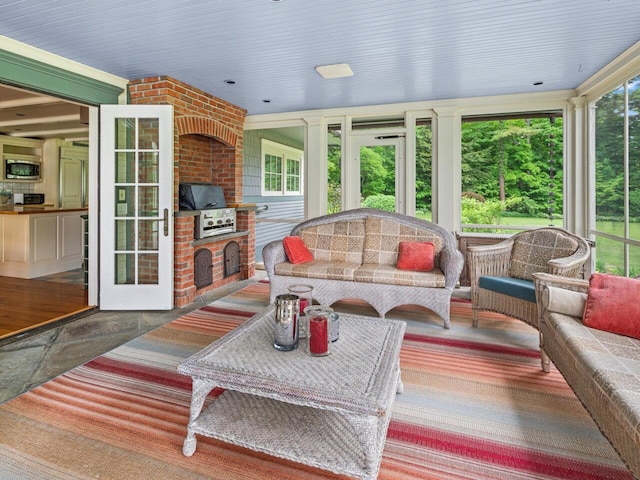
28	304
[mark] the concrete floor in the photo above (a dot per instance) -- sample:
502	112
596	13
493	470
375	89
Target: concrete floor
35	358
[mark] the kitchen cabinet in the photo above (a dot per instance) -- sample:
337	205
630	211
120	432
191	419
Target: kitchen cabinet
40	241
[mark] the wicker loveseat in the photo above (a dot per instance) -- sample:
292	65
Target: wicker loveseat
355	254
602	368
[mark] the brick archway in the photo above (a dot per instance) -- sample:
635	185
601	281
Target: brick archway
195	125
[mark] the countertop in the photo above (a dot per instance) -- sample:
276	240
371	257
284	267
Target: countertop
34	209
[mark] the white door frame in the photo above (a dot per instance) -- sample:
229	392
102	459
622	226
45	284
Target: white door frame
351	167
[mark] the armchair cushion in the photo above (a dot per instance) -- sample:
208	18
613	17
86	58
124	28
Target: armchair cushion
533	250
514	287
417	256
612	305
296	250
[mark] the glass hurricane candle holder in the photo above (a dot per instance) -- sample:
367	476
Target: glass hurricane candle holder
304	292
286	322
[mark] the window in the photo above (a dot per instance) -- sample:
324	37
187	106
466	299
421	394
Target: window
617	181
281	169
423	189
512	172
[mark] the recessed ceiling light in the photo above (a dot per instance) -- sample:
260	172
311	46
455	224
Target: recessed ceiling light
338	70
538	83
230	82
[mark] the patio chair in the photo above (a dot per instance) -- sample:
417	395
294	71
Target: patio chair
501	274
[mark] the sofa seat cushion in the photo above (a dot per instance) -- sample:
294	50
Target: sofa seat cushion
601	365
340	241
318	269
390	275
384	235
514	287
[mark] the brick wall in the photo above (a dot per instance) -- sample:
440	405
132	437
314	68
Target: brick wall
208	142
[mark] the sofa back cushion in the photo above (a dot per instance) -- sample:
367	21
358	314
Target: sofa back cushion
340	241
384	235
533	250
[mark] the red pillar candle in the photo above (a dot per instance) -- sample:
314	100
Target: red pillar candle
318	335
304	303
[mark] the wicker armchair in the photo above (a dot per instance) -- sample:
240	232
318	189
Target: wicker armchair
502	274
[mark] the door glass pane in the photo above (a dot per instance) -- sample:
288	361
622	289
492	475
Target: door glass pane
125	133
148	168
148	235
125	268
125	167
125	201
378	177
148	201
125	235
137	197
148	268
148	137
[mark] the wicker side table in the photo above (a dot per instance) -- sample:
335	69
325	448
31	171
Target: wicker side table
328	412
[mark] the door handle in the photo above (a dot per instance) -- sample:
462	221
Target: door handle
165	219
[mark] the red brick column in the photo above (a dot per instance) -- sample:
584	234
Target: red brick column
184	288
208	143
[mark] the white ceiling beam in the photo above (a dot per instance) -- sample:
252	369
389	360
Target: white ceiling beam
40	120
28	102
45	133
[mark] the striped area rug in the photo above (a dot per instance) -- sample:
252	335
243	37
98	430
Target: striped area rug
475	406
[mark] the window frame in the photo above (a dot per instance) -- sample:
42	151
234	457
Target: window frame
286	154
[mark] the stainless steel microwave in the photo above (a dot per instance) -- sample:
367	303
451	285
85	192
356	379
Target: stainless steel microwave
22	167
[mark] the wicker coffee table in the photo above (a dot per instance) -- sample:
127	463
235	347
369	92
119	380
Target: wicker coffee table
328	412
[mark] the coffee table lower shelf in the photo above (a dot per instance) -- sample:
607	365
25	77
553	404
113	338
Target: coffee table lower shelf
320	438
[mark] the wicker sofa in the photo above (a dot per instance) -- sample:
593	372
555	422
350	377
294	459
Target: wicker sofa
355	254
602	368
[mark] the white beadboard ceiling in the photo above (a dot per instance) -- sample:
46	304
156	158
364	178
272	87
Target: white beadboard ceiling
399	50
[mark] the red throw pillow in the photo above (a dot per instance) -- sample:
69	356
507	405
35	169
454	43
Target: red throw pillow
612	304
296	250
416	256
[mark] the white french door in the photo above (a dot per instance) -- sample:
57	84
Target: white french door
136	207
372	154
